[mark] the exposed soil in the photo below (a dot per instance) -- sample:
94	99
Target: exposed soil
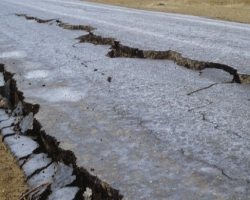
12	179
230	10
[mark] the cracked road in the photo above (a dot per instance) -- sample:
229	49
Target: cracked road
151	128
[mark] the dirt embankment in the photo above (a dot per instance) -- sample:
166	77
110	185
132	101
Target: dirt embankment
12	179
230	10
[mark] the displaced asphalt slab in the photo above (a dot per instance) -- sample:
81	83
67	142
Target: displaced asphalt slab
44	177
150	128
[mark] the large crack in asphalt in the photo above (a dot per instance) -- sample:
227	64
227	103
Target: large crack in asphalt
60	23
48	145
75	27
35	18
119	50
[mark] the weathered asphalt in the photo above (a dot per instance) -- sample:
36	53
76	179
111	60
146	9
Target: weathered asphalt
155	130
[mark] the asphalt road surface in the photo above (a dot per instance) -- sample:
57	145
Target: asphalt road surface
151	128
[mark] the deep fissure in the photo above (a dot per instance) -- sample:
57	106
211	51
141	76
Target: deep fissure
50	145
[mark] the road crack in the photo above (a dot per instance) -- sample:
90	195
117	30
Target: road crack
200	106
35	18
75	27
121	51
214	166
204	88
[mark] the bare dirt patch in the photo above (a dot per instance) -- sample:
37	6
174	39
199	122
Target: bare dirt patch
230	10
12	179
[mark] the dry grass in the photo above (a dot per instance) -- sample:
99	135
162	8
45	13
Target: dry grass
231	10
222	2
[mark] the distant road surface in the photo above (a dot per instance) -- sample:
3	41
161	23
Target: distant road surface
150	128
